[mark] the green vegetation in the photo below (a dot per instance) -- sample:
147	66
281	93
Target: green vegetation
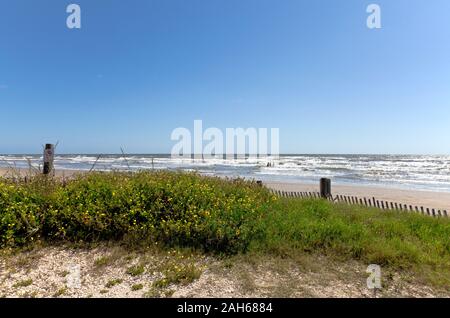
23	283
136	270
158	293
113	282
219	216
172	208
60	292
385	238
178	273
398	240
137	287
102	261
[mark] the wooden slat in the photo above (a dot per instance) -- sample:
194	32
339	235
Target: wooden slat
369	202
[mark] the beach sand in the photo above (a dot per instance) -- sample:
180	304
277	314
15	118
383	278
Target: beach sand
427	199
10	172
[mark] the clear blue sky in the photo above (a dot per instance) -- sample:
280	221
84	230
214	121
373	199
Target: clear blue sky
138	69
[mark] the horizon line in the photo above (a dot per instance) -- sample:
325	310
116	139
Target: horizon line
247	155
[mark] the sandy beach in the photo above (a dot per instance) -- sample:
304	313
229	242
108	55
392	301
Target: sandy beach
430	199
438	200
10	172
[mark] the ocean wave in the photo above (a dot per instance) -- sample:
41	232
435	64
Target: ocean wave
425	172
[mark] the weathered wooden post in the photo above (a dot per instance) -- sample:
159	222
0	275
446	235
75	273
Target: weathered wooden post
325	188
49	154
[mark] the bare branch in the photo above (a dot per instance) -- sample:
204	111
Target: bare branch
124	157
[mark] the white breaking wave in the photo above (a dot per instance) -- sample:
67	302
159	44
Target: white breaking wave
419	172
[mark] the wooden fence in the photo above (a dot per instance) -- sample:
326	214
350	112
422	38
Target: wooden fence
368	202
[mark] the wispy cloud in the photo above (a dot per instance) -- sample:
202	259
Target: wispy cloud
3	86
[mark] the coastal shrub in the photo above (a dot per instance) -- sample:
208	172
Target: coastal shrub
21	213
168	207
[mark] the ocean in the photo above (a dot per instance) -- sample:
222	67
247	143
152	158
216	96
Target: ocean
399	171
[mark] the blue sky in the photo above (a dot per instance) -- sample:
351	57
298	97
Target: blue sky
138	69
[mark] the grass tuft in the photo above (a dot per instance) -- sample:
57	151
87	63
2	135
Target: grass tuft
113	282
137	287
23	283
136	270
